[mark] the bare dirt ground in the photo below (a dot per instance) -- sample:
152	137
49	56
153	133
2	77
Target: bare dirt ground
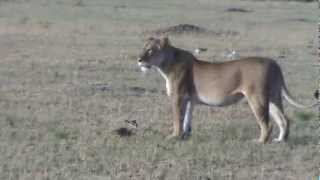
69	81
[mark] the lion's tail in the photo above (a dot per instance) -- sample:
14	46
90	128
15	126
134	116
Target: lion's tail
292	101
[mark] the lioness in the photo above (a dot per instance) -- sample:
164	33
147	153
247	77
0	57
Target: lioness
190	81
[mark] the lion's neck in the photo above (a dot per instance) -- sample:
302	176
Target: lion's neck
175	67
177	60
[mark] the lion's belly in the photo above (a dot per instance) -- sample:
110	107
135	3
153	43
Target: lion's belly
219	101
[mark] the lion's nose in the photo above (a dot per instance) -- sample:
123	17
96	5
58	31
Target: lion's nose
139	60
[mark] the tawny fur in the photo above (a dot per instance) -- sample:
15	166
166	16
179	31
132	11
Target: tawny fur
190	81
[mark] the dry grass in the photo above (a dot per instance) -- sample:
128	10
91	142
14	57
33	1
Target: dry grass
68	79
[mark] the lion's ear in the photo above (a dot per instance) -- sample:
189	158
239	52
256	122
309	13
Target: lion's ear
164	41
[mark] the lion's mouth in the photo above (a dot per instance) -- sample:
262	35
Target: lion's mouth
144	67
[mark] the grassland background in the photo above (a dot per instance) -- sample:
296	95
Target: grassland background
68	79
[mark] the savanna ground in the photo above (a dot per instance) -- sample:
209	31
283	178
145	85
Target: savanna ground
68	79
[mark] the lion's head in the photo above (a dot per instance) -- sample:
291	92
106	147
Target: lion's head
154	53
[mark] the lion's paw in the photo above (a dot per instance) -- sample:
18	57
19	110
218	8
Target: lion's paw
277	140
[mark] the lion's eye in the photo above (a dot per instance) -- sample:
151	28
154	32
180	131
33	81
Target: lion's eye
149	51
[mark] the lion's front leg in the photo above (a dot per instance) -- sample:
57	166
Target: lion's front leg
182	115
187	119
177	116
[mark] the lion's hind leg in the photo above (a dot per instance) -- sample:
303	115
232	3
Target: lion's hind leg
277	113
260	109
278	116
